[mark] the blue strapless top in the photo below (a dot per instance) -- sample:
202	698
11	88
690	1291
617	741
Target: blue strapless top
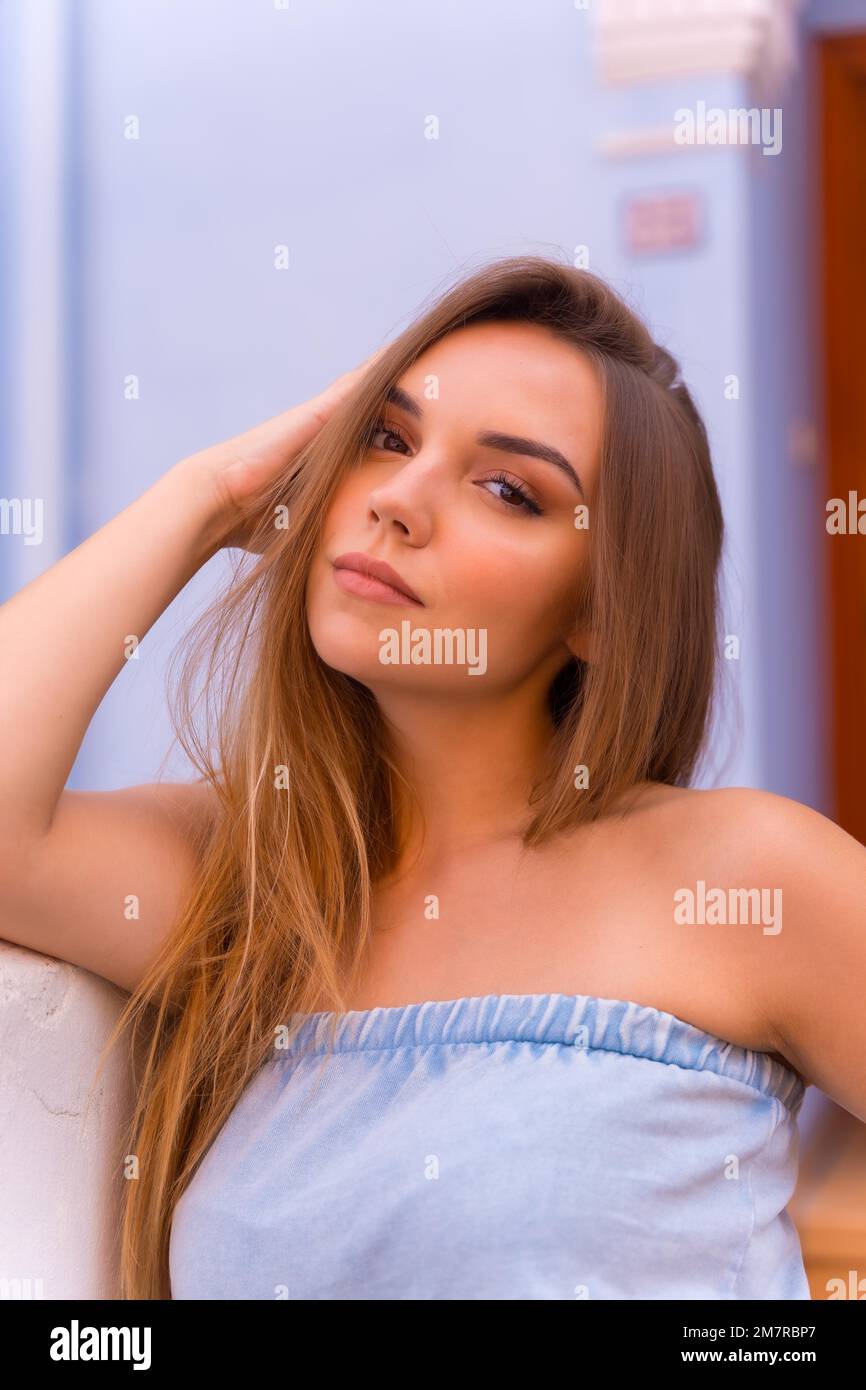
514	1146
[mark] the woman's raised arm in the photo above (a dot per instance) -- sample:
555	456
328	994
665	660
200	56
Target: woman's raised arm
70	860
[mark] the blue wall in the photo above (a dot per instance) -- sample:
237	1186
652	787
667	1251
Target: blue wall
305	126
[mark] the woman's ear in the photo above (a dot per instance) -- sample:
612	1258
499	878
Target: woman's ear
580	643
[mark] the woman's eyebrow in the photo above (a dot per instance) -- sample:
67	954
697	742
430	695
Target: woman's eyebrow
494	439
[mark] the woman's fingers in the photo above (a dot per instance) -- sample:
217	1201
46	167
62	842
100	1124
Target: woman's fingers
246	464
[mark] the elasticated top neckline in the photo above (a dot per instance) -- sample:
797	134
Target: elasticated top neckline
547	1019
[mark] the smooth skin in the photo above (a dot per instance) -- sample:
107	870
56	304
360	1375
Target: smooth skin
590	913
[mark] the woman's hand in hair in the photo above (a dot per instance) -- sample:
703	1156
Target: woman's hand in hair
243	468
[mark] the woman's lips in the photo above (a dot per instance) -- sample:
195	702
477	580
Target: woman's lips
364	586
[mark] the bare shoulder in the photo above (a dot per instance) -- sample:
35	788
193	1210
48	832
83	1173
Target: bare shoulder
746	828
808	959
740	837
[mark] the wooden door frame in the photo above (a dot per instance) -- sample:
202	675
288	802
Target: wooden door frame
842	104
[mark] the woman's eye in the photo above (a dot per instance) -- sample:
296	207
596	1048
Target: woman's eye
514	495
381	430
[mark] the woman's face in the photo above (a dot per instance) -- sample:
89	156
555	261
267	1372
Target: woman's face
484	535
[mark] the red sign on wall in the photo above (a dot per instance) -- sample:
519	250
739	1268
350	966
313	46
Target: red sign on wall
658	222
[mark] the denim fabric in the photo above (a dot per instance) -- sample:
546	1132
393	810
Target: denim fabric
515	1146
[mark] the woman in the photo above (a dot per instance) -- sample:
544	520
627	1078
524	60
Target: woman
436	1006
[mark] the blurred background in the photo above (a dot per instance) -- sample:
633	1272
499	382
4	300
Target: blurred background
213	207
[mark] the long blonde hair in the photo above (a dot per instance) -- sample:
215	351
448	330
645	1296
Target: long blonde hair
297	755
